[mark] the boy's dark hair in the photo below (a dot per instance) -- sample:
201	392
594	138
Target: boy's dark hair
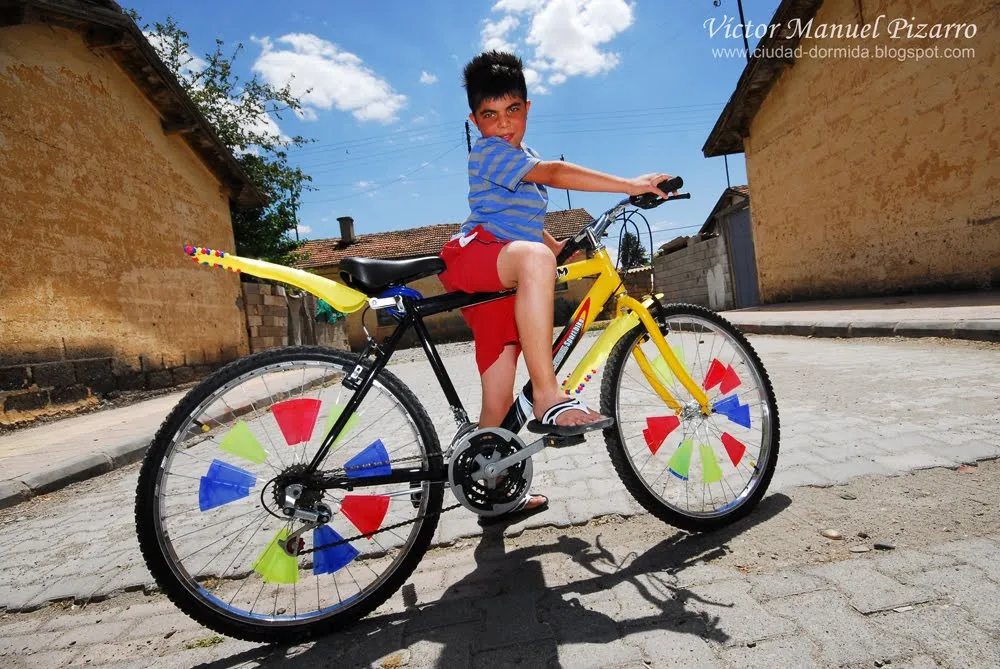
491	75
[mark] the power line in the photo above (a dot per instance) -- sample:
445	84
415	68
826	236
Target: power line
402	177
541	118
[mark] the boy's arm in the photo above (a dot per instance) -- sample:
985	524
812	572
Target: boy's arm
559	174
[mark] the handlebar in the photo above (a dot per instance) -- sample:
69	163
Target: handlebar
650	200
602	222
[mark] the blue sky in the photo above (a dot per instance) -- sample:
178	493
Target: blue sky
622	87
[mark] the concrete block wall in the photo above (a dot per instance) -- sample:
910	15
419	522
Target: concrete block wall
697	274
267	315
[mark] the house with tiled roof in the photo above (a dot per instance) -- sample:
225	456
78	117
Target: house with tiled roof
323	257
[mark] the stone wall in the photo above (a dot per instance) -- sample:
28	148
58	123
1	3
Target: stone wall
696	274
875	176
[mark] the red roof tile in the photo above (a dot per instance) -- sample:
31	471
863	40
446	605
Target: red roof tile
415	242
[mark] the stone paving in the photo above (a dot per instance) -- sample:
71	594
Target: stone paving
848	408
621	594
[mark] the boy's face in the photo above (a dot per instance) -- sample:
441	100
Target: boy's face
505	117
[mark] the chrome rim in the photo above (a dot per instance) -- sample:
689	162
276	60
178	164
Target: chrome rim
699	466
212	519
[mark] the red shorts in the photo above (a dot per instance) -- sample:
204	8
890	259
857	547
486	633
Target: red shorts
473	269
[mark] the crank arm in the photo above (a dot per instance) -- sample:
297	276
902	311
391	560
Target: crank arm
493	469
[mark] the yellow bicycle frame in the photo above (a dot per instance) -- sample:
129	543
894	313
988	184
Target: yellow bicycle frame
631	312
607	285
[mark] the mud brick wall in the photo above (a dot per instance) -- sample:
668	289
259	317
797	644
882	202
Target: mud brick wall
33	390
875	176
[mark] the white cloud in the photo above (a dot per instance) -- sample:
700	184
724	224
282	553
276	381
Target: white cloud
494	33
304	229
323	76
514	5
566	38
428	78
364	184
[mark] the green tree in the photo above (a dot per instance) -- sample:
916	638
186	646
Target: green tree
632	252
240	112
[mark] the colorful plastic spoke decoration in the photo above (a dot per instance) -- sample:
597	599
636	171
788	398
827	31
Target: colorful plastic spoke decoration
366	512
710	470
240	442
334	558
275	565
680	461
373	461
731	408
335	412
716	370
730	381
734	447
658	429
296	418
222	484
662	369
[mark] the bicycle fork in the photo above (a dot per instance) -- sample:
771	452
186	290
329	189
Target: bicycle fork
638	312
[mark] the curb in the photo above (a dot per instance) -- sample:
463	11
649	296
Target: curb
74	470
982	330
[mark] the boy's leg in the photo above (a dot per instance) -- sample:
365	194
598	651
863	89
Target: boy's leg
498	388
531	268
498	395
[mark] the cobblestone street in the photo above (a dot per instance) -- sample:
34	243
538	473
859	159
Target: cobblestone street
849	408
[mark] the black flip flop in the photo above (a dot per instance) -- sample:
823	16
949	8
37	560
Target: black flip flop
548	425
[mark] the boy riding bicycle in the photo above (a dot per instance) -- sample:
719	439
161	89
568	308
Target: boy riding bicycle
503	245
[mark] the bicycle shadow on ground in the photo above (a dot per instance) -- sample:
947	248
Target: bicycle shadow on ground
505	608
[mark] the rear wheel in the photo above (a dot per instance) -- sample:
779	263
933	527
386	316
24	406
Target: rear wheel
693	471
209	499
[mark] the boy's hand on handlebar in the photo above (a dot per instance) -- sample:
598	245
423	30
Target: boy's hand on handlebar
647	183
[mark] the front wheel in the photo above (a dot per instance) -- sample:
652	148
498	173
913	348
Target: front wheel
696	472
211	491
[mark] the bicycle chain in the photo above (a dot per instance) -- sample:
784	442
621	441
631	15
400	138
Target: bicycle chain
382	529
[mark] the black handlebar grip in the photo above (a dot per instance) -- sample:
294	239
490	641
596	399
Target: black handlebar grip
670	185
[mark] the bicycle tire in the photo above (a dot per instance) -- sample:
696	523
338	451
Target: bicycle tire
614	438
146	517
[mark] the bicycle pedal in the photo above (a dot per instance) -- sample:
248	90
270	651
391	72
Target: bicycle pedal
557	441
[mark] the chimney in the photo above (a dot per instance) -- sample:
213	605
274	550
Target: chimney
346	230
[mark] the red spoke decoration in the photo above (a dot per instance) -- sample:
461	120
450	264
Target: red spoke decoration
366	512
658	429
296	418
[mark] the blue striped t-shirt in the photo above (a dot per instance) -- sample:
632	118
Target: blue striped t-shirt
498	198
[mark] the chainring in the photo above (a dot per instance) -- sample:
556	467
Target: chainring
492	496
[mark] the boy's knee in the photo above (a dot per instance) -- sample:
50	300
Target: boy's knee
538	257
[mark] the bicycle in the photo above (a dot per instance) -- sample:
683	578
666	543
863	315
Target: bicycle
366	490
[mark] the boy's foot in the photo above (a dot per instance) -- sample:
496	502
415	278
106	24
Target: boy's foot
567	417
532	504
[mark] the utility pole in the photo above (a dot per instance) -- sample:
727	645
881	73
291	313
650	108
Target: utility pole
569	205
468	137
746	48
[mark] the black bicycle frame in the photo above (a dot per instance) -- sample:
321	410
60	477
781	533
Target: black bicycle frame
363	375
